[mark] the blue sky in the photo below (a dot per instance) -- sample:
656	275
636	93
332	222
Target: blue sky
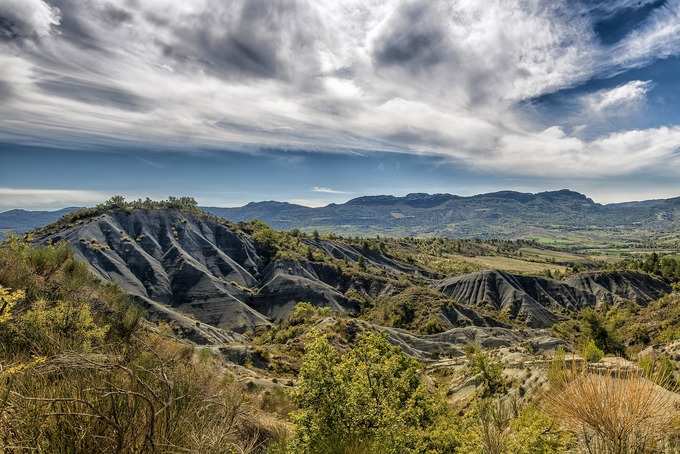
316	102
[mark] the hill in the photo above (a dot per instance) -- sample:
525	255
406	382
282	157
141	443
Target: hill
217	280
21	221
557	218
506	214
540	302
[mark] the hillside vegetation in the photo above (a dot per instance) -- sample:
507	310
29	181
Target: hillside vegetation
153	327
81	372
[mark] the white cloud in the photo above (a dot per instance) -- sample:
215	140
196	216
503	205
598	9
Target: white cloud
327	190
410	76
658	37
312	203
619	99
27	18
48	198
552	153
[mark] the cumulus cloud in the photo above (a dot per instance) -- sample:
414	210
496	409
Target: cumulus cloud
414	76
553	153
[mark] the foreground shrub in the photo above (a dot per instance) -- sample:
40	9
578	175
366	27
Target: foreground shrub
501	426
615	413
370	399
489	371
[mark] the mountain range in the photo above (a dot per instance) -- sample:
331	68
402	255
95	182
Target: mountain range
504	214
498	214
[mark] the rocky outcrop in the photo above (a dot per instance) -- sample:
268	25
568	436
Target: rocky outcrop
188	264
540	302
612	287
536	301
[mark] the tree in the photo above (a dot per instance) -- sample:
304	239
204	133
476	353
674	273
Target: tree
490	371
593	327
372	397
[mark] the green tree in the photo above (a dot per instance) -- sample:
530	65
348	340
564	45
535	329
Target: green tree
591	352
489	370
370	399
594	327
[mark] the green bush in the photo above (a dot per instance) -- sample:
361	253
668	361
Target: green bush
370	399
489	370
660	369
557	368
501	426
591	352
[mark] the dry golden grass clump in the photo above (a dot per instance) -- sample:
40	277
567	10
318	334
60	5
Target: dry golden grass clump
617	412
80	371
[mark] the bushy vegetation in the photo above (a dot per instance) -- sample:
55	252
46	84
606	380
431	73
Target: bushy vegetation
374	399
592	327
591	352
79	372
502	426
283	345
626	329
185	204
664	266
417	309
489	371
370	399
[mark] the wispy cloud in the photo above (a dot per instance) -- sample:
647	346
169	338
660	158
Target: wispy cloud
328	190
415	76
620	99
47	198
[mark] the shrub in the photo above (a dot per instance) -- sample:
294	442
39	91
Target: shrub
591	352
8	300
557	368
660	369
501	426
370	399
595	328
49	329
79	373
489	370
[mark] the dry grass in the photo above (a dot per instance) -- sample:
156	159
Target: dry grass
621	412
162	400
80	373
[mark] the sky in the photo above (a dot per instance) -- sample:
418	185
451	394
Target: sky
320	101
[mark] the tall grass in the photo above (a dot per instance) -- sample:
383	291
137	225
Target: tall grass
618	412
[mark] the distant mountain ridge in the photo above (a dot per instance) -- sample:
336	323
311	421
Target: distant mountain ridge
502	214
497	214
21	221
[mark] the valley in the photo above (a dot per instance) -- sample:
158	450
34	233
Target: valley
482	319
